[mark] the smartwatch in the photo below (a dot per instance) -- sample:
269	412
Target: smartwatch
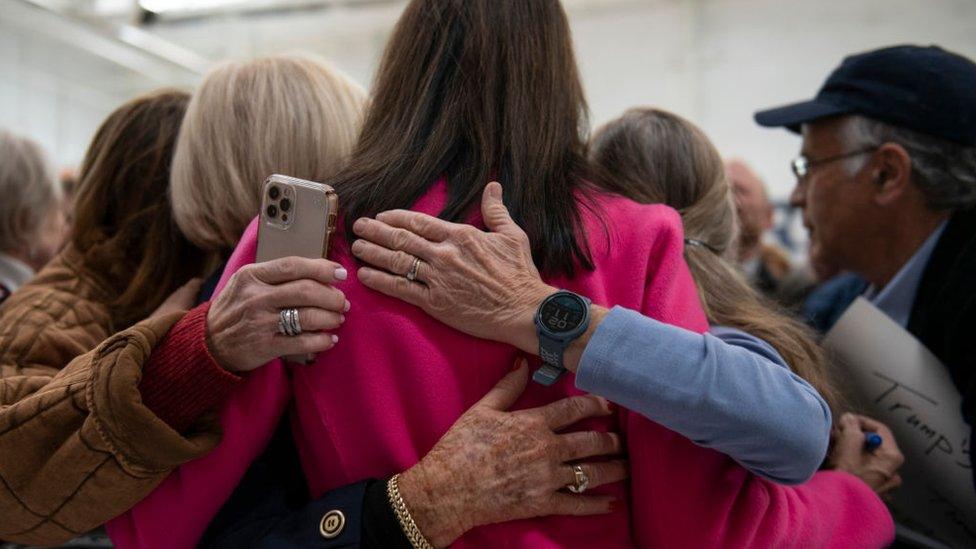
561	318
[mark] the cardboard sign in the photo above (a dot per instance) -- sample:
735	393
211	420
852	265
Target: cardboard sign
892	377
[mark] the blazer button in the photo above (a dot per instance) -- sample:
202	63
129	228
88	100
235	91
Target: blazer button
332	524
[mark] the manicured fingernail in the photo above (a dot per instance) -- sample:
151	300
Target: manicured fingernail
346	307
380	216
341	274
342	318
335	339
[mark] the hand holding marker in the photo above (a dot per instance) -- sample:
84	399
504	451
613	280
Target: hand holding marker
872	441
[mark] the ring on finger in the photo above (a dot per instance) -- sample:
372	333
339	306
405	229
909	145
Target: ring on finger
582	480
414	269
288	322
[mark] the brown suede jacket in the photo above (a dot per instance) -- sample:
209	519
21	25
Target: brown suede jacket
78	444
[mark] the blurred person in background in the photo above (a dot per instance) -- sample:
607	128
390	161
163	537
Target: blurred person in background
69	185
31	218
886	179
766	266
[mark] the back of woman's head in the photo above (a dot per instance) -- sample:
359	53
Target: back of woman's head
654	156
474	90
284	114
30	193
123	221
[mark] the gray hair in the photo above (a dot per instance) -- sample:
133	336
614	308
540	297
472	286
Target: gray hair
28	189
944	171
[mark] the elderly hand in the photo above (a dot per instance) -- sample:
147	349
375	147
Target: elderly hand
242	324
496	466
481	283
878	468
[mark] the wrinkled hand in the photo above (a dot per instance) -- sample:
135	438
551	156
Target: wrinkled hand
182	299
496	466
879	469
242	325
482	283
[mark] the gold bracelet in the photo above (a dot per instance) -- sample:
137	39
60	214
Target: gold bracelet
417	539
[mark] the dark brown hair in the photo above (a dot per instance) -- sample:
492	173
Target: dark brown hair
123	220
653	156
475	90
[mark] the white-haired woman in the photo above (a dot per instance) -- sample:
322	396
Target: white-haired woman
31	219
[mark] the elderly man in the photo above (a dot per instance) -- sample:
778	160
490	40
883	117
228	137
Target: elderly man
886	179
765	265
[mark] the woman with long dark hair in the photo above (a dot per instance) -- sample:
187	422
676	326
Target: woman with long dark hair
470	91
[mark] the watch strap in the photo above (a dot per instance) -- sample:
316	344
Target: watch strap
551	353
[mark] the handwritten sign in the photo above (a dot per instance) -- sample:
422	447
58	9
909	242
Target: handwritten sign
891	376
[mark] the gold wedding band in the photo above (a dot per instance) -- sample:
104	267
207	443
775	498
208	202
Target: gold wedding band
582	481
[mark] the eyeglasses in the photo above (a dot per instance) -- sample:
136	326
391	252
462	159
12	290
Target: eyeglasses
801	165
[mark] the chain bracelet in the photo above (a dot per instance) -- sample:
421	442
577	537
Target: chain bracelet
417	539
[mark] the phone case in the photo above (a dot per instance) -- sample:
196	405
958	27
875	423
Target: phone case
297	219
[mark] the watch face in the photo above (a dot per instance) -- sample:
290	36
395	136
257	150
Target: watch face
563	313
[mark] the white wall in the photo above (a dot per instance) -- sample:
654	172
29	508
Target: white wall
713	61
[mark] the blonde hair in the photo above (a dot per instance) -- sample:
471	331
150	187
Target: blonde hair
285	114
654	156
29	192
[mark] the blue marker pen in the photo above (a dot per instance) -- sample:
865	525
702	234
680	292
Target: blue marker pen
872	441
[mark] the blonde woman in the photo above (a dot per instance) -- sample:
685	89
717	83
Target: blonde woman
288	114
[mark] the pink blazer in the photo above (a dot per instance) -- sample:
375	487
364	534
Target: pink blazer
397	380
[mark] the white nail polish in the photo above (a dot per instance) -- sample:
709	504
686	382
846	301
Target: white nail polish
335	339
341	274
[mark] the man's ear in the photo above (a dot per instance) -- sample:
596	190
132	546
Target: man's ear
890	171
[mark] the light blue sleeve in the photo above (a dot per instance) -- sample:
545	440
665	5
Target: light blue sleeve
730	391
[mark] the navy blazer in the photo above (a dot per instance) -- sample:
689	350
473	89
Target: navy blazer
944	313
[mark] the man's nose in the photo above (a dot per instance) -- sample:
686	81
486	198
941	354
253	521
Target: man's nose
798	198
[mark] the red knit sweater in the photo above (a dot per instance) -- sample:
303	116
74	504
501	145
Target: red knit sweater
182	381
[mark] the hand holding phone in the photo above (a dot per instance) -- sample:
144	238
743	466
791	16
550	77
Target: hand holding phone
297	219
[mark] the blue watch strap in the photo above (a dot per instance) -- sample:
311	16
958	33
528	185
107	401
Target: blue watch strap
551	352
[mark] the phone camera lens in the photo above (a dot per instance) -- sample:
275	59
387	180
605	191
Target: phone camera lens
272	210
274	193
285	204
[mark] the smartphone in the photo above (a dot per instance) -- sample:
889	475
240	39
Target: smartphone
297	219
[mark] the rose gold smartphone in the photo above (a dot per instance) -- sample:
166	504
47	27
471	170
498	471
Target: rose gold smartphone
297	219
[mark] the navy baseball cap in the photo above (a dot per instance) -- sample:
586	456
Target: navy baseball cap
926	89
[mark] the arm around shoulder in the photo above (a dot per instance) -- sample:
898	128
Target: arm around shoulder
109	449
